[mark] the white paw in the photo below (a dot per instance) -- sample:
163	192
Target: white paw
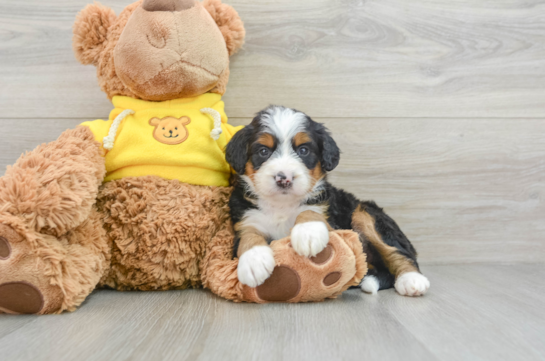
369	285
255	265
309	238
412	284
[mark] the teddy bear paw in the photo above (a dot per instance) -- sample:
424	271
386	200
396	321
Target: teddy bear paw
20	283
339	265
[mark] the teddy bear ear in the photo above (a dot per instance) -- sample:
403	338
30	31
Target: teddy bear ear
154	121
90	31
229	23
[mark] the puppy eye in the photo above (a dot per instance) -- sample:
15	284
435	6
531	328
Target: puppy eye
264	152
303	151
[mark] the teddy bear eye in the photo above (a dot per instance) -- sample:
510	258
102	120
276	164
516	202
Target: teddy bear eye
176	128
163	128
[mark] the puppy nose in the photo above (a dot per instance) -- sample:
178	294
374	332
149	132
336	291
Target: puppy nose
170	131
167	5
283	181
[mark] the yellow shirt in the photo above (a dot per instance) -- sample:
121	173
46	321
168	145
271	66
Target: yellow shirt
169	139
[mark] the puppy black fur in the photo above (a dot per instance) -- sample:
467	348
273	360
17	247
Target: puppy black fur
340	205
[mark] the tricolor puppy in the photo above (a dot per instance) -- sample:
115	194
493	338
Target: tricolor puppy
281	160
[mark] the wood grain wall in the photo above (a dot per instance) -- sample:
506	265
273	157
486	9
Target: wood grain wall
438	106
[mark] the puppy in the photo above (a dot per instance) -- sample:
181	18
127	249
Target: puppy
281	161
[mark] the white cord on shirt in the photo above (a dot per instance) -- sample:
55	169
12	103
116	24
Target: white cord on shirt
216	132
108	141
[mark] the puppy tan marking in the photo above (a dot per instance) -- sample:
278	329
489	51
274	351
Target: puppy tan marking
249	238
317	173
256	260
266	140
311	216
301	138
397	263
249	170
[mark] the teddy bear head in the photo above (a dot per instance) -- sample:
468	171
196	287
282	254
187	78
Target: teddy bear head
159	49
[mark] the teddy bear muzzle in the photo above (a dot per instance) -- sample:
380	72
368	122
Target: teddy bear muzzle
152	56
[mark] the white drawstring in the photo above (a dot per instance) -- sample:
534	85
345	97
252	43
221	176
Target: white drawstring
108	141
216	132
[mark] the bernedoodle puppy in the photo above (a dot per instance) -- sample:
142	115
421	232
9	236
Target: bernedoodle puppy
281	160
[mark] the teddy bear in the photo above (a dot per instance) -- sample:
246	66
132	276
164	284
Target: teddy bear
140	201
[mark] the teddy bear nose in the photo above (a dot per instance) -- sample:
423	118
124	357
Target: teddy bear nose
167	5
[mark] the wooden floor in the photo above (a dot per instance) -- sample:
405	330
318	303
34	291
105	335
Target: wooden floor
439	109
473	312
438	106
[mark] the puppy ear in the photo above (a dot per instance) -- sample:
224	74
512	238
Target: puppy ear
229	23
90	31
236	152
331	154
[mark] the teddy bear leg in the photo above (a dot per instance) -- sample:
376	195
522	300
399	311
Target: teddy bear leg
46	200
53	188
43	274
219	269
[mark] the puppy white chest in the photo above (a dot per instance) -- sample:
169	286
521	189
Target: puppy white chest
275	220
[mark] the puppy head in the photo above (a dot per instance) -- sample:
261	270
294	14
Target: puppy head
283	153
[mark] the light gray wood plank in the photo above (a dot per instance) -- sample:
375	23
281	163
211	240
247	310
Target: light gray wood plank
462	190
476	305
352	328
350	58
466	315
18	136
11	324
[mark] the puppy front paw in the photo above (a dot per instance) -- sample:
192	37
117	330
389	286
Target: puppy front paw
309	238
412	284
255	266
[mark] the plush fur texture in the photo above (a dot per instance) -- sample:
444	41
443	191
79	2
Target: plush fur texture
97	32
347	262
229	23
159	230
53	188
63	232
48	216
91	31
180	73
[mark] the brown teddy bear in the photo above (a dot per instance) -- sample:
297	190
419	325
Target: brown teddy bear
139	202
